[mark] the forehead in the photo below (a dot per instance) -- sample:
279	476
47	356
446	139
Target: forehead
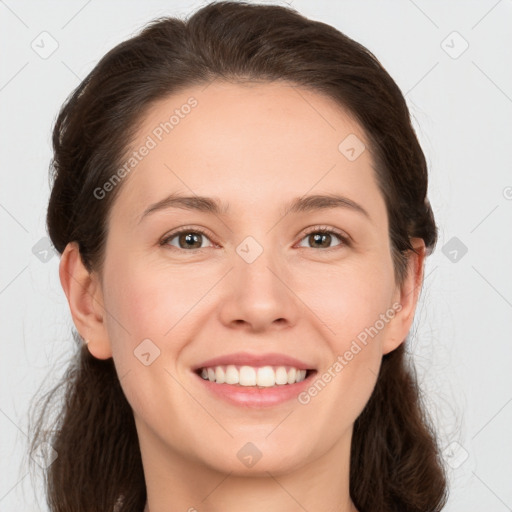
248	144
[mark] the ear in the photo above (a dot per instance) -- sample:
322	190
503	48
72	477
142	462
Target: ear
85	299
406	295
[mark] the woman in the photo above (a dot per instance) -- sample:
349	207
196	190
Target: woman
240	204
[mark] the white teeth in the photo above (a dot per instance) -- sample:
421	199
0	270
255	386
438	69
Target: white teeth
232	375
220	376
264	376
281	376
292	375
247	376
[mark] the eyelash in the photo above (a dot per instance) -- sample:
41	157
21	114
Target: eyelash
315	229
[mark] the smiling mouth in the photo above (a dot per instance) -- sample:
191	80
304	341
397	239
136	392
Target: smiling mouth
254	376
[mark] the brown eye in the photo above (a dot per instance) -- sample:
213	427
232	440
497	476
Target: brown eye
321	238
186	239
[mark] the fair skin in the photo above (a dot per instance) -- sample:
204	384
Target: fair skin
256	147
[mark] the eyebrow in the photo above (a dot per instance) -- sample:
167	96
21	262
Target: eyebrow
216	207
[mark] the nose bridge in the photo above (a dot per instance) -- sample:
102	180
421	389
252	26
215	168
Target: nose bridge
257	264
259	295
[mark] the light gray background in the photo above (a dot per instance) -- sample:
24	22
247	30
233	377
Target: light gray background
461	106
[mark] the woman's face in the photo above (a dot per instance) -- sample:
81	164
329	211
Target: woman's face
261	287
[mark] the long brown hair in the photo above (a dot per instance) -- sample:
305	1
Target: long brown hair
395	460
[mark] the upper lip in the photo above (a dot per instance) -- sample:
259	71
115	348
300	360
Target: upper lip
246	359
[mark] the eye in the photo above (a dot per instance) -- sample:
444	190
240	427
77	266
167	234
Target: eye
321	237
192	238
186	239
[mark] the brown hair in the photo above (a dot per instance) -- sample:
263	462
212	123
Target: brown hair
395	461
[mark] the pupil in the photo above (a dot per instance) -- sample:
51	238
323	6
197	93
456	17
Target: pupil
319	236
189	237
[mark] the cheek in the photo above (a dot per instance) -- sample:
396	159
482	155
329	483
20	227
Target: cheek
158	301
149	302
356	310
348	299
146	324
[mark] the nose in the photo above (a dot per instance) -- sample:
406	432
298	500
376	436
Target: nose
259	295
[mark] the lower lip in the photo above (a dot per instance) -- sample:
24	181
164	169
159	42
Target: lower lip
252	396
